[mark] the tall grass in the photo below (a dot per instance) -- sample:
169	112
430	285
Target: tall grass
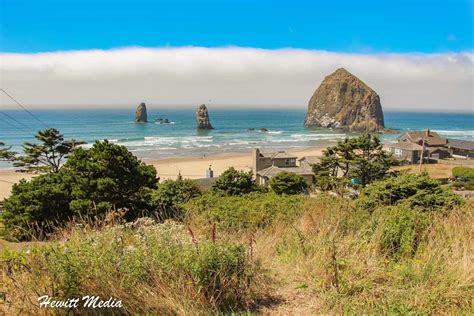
323	252
342	259
157	269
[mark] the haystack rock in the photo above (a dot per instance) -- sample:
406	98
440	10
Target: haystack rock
140	114
202	118
344	101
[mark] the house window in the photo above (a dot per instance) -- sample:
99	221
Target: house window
398	152
290	162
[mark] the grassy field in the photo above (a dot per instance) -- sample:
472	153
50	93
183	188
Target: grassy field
302	256
436	171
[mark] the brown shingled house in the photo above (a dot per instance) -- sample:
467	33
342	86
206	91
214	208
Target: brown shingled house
410	144
268	164
459	147
431	139
407	151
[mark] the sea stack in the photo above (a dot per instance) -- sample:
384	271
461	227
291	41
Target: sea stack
140	114
344	101
202	118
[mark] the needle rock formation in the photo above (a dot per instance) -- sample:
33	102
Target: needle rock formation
140	114
344	101
202	118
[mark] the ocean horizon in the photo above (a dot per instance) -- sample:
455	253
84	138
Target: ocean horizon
234	130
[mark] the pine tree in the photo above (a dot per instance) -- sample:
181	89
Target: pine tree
5	153
48	155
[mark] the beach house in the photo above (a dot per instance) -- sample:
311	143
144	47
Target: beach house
408	151
460	147
266	165
411	145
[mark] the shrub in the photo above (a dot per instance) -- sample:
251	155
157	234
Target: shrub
461	171
92	182
171	194
234	182
288	183
109	176
36	207
418	191
254	210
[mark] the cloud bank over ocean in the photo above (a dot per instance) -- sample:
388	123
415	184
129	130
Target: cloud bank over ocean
230	77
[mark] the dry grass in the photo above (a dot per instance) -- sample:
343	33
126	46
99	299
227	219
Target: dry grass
436	171
325	259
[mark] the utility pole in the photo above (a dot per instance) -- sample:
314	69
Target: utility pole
422	152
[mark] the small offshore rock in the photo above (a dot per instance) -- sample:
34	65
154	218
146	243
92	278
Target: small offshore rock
202	118
140	114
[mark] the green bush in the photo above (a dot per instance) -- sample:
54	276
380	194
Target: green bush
400	229
92	182
417	191
171	194
36	207
288	183
109	176
234	182
461	171
254	210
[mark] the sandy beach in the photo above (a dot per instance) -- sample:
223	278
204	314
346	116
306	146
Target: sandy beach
189	167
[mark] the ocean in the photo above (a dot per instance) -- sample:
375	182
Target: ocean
234	130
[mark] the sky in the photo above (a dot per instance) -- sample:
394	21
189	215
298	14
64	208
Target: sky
62	54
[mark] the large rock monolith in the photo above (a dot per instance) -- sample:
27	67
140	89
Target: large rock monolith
346	102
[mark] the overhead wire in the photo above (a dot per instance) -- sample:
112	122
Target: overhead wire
16	121
12	125
23	107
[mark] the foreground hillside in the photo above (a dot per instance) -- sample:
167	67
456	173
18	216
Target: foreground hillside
261	253
370	241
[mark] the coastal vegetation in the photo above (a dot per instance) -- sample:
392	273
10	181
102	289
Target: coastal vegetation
353	162
107	227
48	154
288	183
5	153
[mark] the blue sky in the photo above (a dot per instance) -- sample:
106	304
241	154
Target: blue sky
341	26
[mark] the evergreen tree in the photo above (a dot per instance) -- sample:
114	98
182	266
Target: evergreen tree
5	153
288	183
48	155
362	159
234	182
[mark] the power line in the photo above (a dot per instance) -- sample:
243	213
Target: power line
25	109
12	125
7	181
16	121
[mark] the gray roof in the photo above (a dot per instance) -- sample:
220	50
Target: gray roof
431	138
274	170
405	146
311	159
277	155
460	144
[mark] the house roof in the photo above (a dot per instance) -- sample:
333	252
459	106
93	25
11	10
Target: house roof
405	146
431	138
310	159
437	149
460	144
274	170
277	155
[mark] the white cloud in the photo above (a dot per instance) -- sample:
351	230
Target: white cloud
230	76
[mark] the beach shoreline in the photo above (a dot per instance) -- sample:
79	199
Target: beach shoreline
192	167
